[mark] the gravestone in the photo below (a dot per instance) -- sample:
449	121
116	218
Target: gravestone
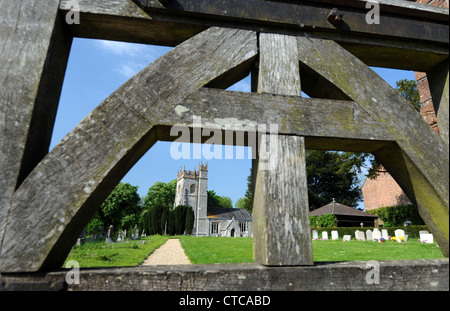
426	238
82	238
325	235
136	233
315	235
334	235
399	233
376	235
369	236
360	236
423	232
108	239
385	234
346	238
356	234
119	238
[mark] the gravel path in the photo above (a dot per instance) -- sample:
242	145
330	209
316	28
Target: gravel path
170	253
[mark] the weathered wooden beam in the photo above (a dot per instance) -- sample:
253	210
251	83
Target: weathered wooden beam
309	14
64	191
123	20
34	51
281	231
396	275
439	83
326	124
425	157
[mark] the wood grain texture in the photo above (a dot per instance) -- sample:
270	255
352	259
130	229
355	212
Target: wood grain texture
423	173
124	20
321	120
55	202
34	49
281	234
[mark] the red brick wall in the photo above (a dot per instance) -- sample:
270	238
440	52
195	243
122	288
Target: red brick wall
382	191
427	108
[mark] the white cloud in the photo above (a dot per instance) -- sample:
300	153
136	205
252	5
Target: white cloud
121	48
129	69
133	57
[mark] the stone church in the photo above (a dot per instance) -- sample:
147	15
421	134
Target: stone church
192	190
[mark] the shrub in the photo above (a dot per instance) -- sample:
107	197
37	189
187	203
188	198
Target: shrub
397	215
326	220
189	220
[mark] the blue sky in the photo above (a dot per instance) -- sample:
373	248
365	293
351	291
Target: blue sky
97	68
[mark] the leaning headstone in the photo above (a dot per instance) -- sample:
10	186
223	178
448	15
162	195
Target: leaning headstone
376	234
399	234
426	238
334	235
315	235
108	239
325	235
356	234
346	238
369	235
385	234
361	236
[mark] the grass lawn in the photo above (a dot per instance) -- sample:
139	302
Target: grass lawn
368	250
208	250
131	253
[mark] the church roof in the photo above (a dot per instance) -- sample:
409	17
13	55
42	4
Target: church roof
339	209
229	213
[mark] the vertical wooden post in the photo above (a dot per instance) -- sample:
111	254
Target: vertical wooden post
439	83
35	47
280	205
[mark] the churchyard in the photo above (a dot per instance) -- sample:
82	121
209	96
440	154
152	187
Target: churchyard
209	250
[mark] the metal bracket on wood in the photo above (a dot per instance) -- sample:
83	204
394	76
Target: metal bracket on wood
335	17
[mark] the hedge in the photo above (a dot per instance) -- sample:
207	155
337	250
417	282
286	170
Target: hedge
397	215
160	219
411	231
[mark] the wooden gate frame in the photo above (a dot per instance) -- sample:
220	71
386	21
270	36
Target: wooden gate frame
48	198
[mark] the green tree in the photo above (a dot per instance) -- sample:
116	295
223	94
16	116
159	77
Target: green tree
408	90
121	208
215	200
161	194
247	201
190	216
333	175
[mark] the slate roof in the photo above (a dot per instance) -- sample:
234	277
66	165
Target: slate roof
340	209
229	213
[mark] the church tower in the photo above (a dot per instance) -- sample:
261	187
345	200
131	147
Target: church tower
192	190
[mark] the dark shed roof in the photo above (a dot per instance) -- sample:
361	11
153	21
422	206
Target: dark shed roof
340	209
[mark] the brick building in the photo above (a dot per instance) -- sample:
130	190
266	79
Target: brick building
382	191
